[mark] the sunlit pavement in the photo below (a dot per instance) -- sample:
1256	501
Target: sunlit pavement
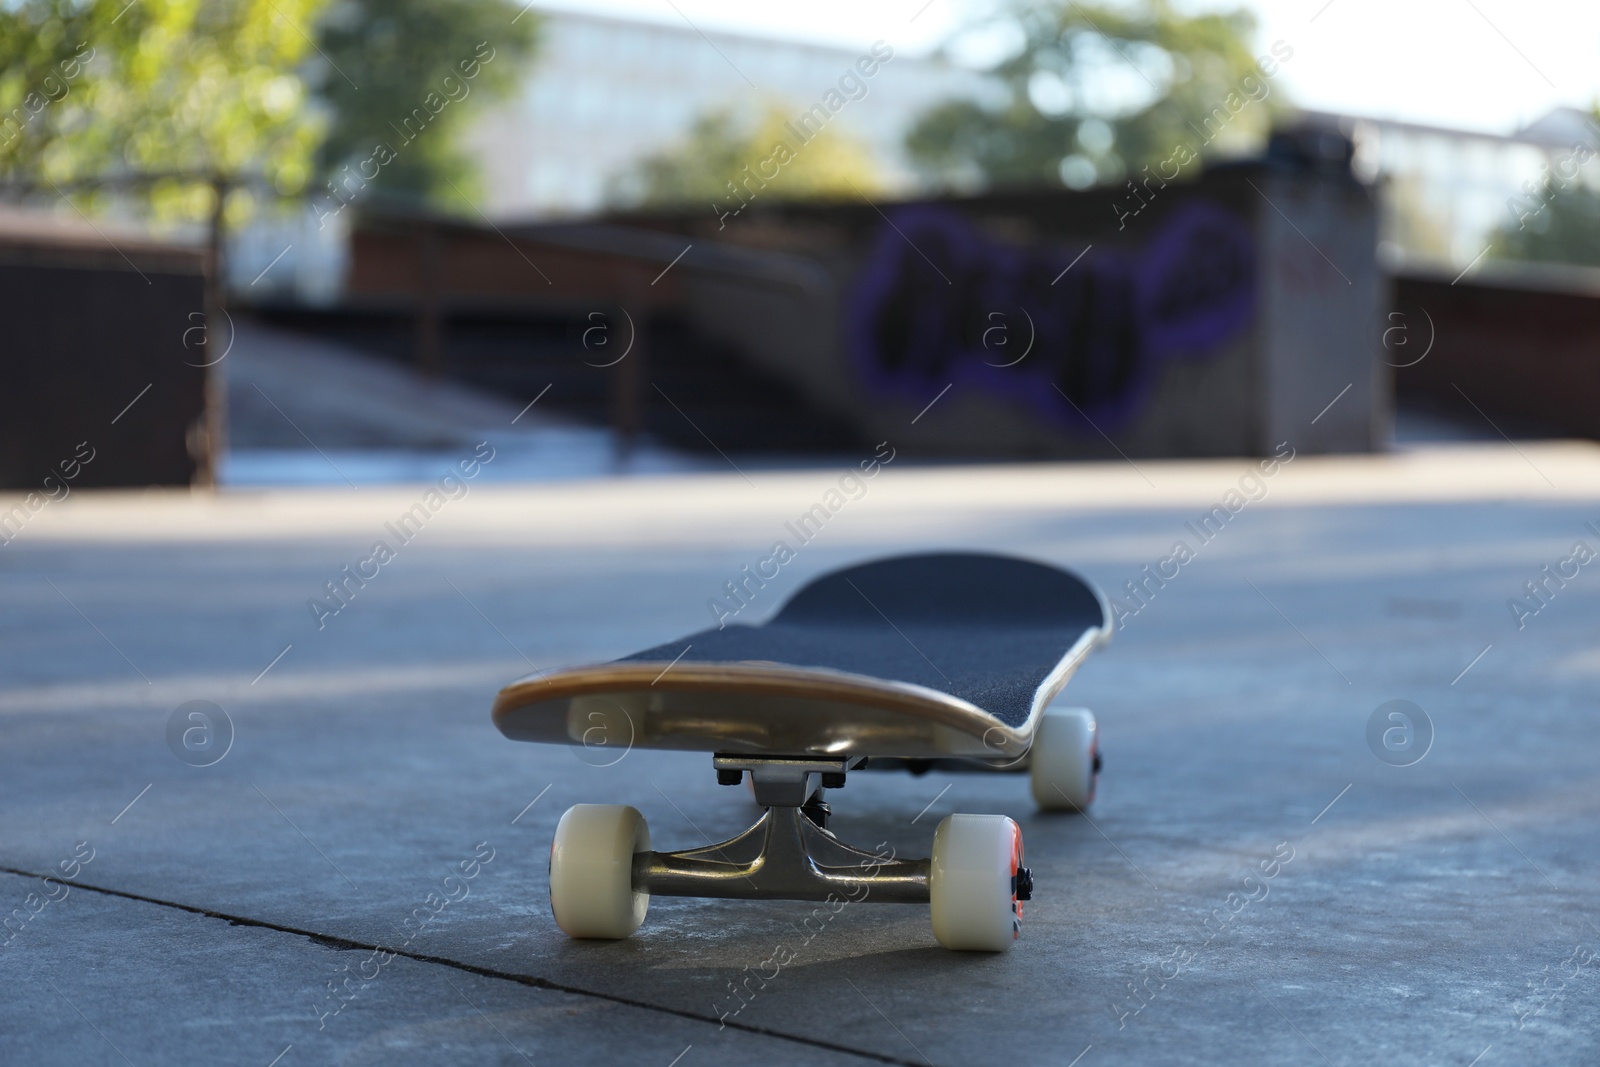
1263	878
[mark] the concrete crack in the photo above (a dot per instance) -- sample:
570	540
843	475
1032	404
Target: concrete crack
332	941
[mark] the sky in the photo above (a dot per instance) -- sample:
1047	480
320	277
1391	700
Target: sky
1489	65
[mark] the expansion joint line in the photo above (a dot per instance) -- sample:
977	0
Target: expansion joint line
532	981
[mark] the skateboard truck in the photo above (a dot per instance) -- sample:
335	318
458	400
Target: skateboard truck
787	854
603	871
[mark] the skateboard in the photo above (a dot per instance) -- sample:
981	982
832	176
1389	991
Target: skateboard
946	660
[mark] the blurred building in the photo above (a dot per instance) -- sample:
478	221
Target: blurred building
603	94
284	253
1447	191
607	92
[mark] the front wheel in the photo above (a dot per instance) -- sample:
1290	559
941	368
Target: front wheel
976	882
1065	759
591	871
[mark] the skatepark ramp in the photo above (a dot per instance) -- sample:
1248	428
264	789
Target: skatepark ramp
570	315
1220	316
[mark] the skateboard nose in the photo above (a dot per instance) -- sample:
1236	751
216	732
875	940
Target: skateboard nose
1022	884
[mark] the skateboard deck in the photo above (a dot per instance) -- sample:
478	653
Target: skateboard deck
948	655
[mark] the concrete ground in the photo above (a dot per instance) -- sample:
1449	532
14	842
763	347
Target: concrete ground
346	863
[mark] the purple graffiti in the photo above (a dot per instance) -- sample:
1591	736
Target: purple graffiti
939	301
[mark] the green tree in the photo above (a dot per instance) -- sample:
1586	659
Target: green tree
43	59
1565	229
719	148
386	59
262	93
105	88
1094	91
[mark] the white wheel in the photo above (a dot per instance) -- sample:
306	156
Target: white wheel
591	870
973	882
1065	759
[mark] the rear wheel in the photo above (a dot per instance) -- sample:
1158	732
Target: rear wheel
1065	759
976	882
591	871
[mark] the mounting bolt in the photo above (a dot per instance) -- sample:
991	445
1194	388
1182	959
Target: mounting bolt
726	777
1022	884
833	779
816	810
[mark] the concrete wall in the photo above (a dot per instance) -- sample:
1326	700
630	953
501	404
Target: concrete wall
1319	336
1218	317
1517	340
101	382
1215	317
